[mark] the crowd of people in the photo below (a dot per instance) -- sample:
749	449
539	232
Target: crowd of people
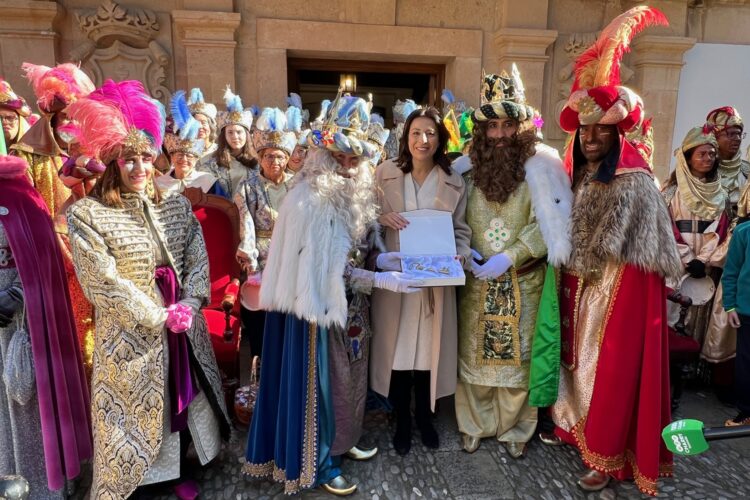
576	271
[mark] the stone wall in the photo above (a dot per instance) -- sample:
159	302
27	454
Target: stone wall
244	43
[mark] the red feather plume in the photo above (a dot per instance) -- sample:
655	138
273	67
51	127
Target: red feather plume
599	65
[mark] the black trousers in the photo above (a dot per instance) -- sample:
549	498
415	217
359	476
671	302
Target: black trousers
742	366
253	323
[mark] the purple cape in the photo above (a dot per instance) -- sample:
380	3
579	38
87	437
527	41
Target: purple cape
60	379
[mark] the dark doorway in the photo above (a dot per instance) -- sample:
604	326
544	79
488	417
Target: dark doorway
318	79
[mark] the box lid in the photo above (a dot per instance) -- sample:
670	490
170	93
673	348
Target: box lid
430	232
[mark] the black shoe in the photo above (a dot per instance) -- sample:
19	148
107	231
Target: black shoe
429	436
402	439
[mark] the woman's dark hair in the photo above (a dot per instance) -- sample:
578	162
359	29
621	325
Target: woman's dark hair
224	155
440	158
108	189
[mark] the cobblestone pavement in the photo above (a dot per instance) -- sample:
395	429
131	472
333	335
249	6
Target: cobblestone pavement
546	473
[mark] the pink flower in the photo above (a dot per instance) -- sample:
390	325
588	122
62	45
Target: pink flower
179	318
538	121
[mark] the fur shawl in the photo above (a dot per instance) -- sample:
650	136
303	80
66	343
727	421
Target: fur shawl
551	199
309	251
625	221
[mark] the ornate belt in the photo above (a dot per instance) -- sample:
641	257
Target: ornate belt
530	266
690	226
263	233
6	259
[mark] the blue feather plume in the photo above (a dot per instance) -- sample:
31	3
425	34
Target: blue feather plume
363	112
233	101
179	109
448	97
324	109
294	100
255	110
190	130
294	118
196	96
271	120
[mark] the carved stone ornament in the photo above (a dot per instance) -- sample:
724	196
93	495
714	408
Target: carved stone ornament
122	62
121	44
111	21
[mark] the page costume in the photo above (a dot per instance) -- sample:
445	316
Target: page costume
133	260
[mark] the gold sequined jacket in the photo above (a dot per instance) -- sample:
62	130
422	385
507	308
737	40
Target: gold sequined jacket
113	252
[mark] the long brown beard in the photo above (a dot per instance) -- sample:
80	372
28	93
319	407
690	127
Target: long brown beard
498	171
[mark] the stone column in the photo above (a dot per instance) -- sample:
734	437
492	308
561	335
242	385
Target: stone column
204	51
657	61
27	35
528	49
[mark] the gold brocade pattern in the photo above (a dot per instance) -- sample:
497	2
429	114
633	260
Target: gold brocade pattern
576	385
310	439
495	339
616	463
42	173
569	302
498	325
114	261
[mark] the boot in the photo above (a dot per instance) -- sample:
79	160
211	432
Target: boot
422	410
400	397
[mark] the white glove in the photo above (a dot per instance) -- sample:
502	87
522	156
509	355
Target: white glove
389	261
476	255
254	279
397	282
497	265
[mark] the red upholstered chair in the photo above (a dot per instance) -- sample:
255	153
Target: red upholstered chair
683	349
220	221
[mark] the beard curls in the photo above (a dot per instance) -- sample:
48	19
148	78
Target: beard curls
498	171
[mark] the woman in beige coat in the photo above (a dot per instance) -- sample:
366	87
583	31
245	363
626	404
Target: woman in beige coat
415	336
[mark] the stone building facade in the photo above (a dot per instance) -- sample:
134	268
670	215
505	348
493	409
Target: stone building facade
174	44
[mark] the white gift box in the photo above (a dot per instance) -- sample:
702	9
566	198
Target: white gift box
429	247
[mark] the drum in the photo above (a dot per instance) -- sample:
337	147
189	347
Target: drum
700	290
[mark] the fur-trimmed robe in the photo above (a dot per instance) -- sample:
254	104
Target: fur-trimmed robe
625	221
322	244
551	199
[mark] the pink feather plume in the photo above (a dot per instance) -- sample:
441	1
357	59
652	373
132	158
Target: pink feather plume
65	81
106	116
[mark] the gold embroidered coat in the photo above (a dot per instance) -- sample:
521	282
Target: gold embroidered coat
497	317
115	262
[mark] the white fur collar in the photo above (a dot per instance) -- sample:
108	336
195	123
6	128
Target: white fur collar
552	199
304	274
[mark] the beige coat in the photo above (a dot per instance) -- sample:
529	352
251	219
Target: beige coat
386	306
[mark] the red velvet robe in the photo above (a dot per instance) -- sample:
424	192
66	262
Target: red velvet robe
619	432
